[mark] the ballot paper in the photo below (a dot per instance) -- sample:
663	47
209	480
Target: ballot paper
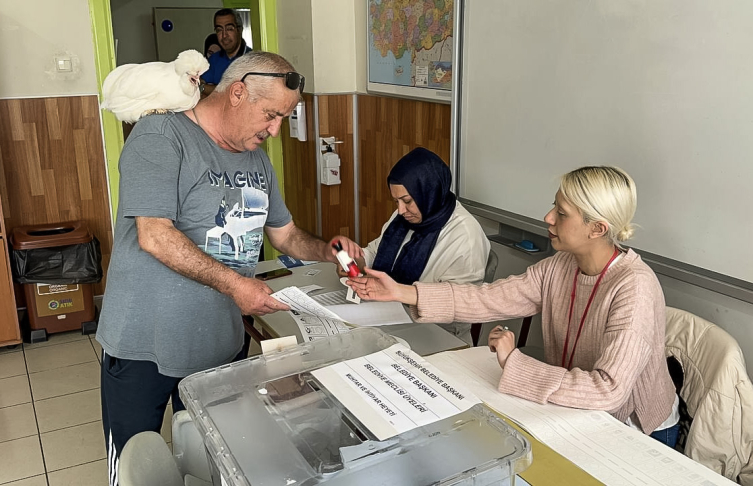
332	305
593	440
313	327
394	391
298	301
331	298
337	297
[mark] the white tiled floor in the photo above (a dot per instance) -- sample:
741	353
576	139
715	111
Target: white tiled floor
51	416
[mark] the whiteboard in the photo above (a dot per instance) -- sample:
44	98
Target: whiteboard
661	88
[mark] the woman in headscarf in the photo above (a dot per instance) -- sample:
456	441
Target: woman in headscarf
431	237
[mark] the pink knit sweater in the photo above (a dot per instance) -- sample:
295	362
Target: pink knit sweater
619	364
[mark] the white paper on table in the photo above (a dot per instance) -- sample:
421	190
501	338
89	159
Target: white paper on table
302	303
595	441
394	390
313	327
310	288
372	313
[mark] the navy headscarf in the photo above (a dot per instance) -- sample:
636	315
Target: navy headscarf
427	179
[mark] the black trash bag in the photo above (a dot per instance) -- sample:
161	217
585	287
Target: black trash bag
68	264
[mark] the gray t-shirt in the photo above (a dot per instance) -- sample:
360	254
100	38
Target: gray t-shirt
220	200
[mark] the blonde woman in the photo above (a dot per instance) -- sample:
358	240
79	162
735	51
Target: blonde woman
602	310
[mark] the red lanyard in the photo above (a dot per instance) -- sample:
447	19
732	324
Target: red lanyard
588	305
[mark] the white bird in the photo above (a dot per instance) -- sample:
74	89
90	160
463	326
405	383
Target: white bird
131	91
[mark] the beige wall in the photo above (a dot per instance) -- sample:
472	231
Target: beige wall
333	25
325	41
31	42
361	55
294	32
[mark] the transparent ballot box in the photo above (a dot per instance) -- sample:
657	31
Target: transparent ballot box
268	421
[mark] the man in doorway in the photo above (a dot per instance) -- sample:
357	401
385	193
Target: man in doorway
174	299
228	26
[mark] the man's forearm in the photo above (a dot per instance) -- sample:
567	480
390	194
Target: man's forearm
175	250
300	244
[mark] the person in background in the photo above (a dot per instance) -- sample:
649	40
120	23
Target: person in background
601	306
431	237
211	46
175	293
228	27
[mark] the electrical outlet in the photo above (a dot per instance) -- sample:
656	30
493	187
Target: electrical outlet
63	64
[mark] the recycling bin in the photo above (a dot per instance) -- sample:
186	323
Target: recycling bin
57	265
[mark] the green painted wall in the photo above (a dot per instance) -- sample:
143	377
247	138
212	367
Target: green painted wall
104	57
264	26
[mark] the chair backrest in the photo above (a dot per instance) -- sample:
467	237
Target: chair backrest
718	394
147	461
491	266
489	272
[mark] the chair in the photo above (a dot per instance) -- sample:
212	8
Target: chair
146	460
718	393
491	269
189	451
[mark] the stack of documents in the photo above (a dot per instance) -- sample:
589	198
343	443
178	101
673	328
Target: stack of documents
325	314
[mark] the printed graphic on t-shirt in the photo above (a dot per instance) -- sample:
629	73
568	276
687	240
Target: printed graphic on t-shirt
238	235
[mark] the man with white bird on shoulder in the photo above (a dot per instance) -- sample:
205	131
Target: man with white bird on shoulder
183	262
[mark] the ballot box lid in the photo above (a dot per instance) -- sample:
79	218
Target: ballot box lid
267	421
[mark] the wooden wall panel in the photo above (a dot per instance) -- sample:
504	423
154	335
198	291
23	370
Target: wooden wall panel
338	211
299	159
52	166
389	128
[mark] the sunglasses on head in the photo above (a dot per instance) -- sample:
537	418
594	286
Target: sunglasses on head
292	80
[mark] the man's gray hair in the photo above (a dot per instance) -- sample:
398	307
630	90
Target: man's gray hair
255	62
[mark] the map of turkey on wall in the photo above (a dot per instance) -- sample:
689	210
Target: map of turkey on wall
411	44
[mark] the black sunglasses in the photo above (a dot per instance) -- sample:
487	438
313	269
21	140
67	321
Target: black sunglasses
292	80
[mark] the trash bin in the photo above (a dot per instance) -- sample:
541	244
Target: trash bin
57	265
